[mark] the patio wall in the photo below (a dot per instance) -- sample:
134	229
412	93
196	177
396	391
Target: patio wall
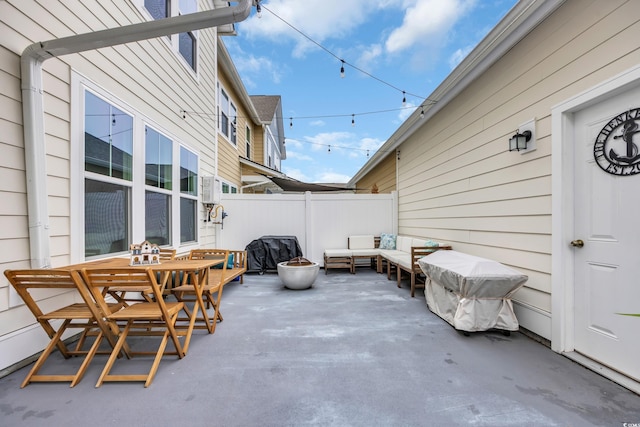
319	221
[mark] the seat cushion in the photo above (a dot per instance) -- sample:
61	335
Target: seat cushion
361	242
365	252
330	253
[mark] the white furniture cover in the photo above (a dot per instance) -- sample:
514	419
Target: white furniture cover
469	292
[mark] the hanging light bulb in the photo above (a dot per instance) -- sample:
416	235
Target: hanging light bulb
258	9
342	69
367	153
422	112
404	99
113	121
290	122
184	114
329	150
353	120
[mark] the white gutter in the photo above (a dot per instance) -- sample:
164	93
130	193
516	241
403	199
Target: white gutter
33	100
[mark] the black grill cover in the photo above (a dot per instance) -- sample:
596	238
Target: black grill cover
265	253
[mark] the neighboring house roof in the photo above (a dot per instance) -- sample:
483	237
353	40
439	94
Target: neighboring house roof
269	108
266	106
519	21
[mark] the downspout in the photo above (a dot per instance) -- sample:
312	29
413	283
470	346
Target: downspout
33	100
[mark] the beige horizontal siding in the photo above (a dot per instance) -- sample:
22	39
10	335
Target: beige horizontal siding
458	182
383	177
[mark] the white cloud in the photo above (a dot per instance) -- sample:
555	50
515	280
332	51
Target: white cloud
369	55
333	177
426	22
295	174
291	155
293	143
406	112
250	66
322	141
456	57
318	19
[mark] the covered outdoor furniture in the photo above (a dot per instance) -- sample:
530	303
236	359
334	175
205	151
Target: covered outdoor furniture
265	253
39	286
469	292
149	318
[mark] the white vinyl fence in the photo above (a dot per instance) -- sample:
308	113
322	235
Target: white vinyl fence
319	221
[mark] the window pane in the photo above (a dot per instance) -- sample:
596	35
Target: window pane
108	137
224	112
234	190
158	152
225	188
106	218
157	8
157	209
187	48
188	220
248	139
224	124
234	124
188	172
188	6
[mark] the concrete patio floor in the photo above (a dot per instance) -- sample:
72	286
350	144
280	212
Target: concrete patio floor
352	351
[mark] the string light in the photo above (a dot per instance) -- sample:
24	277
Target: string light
404	99
329	150
353	120
213	116
258	9
342	61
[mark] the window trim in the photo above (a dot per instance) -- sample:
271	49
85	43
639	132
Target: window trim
80	84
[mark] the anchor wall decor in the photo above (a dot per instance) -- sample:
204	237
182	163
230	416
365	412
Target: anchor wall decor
614	149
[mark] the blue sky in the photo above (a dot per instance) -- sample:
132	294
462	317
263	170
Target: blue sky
406	45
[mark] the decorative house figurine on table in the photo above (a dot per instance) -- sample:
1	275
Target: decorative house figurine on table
144	253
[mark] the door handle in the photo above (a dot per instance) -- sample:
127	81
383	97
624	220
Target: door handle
577	243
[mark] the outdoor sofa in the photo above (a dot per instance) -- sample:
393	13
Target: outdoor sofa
398	252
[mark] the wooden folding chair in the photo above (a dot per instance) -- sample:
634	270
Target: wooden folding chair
73	316
211	291
149	318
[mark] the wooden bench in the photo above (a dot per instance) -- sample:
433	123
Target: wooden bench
230	274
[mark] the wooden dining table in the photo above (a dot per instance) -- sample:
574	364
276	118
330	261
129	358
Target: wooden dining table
197	271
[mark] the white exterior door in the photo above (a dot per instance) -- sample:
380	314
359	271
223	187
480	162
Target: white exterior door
607	220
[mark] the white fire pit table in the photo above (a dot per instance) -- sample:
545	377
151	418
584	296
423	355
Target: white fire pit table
298	276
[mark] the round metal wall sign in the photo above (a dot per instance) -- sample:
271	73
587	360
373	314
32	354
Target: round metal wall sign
615	150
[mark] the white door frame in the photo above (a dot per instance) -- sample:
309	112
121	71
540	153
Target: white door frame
562	227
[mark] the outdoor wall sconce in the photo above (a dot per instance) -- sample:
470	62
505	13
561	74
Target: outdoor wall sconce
519	141
524	140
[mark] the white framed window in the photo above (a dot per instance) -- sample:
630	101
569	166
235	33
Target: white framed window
133	180
228	114
228	188
186	44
